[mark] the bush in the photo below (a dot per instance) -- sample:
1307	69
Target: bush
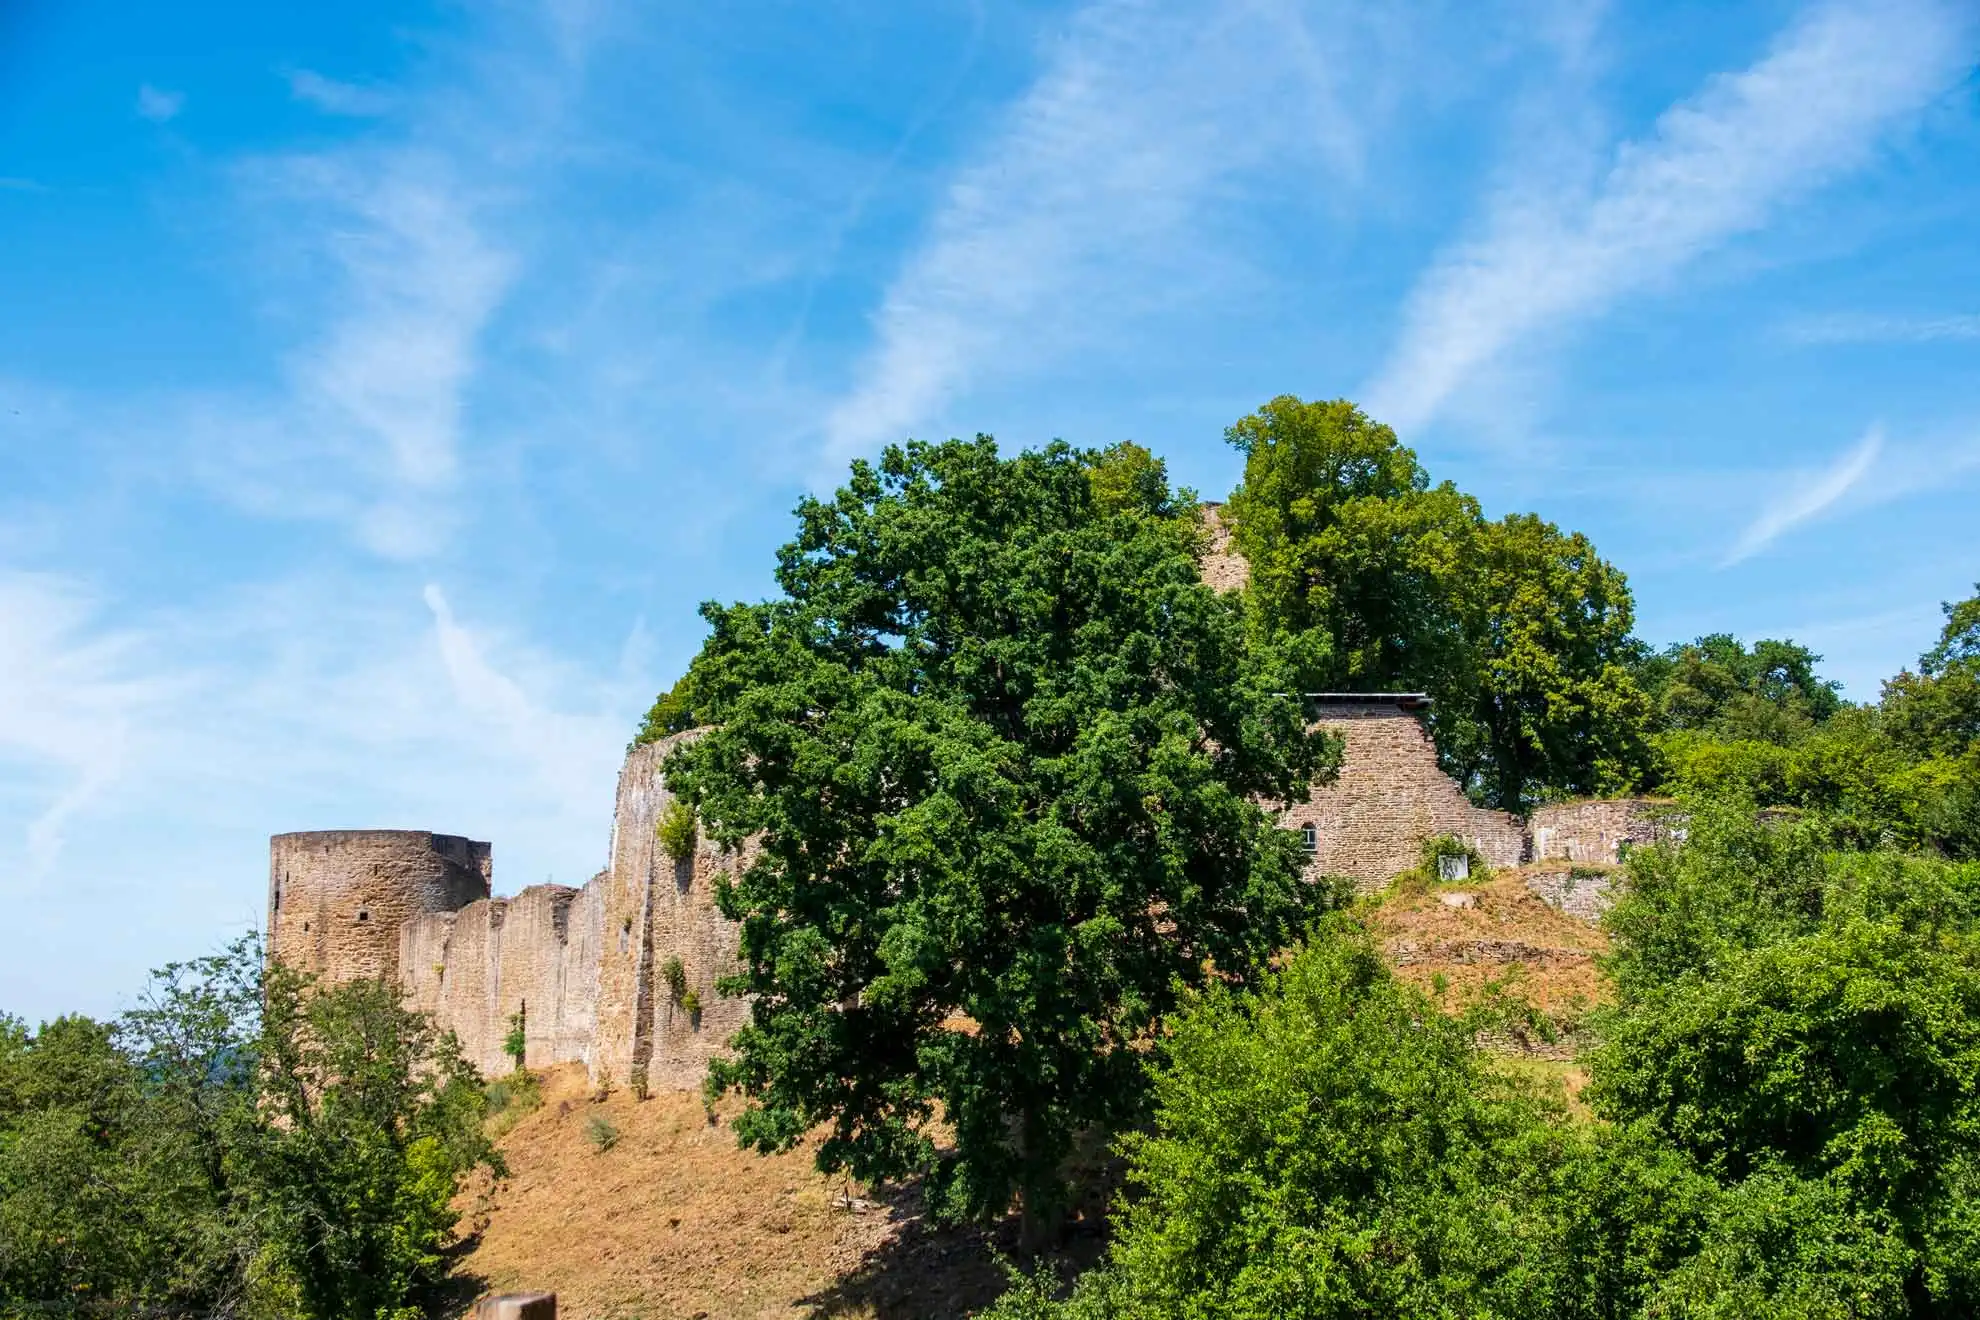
511	1099
1439	846
690	1002
1805	1025
675	975
676	830
600	1132
1333	1147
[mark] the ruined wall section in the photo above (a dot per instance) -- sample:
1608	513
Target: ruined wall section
1391	795
1597	829
1223	568
657	909
536	953
338	899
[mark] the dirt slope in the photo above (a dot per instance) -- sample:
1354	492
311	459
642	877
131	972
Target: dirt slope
674	1221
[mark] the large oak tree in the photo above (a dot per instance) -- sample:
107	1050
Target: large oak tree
1000	753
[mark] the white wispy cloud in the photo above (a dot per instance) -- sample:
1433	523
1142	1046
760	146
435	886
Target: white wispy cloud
158	105
336	97
1832	87
1086	208
1871	328
412	223
1806	498
70	690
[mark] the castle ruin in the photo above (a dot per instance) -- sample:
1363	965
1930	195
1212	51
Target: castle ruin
619	975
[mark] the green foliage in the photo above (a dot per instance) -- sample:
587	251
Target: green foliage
676	830
675	975
601	1133
673	711
516	1043
1334	1146
1805	1026
1001	750
690	1002
1518	631
1715	685
1439	846
225	1149
370	1117
510	1099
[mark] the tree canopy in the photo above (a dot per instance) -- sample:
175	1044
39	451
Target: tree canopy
997	753
239	1144
1716	685
1519	632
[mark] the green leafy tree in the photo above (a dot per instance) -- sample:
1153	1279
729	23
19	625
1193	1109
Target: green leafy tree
1936	711
1000	750
231	1146
1544	705
370	1117
1805	1025
1518	631
1770	693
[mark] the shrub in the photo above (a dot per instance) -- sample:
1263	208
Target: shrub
675	976
676	831
516	1043
1439	846
511	1099
1332	1147
690	1002
600	1132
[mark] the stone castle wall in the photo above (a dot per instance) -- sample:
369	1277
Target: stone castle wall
657	909
1389	797
536	953
1597	830
337	899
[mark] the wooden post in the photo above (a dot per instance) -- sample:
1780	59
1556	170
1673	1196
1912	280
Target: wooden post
518	1306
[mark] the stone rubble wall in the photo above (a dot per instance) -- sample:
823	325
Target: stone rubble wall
1584	892
1596	830
1389	797
658	909
1223	568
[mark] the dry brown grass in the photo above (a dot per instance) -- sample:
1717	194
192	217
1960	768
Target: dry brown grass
675	1221
1508	937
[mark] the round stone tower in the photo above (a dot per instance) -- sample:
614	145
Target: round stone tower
338	898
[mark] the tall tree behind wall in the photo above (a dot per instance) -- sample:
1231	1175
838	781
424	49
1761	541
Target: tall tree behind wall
1519	632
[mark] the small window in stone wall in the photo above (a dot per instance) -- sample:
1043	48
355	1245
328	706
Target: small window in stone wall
1309	834
363	915
1454	866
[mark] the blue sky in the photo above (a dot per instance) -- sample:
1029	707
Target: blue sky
382	385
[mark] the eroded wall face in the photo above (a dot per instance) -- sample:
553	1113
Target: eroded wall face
1597	830
338	899
660	912
1390	795
536	954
